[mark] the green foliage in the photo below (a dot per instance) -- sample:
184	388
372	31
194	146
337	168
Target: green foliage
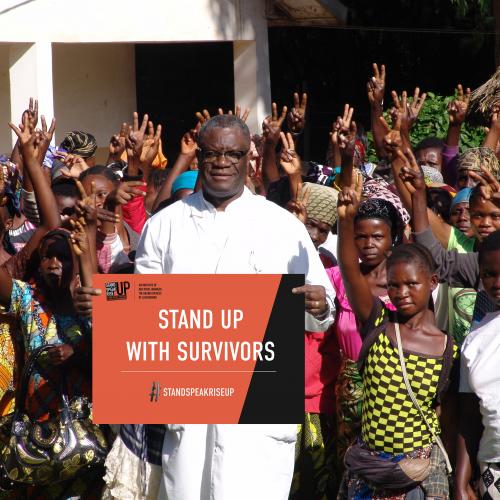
433	121
464	6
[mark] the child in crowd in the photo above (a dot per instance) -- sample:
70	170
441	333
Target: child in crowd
393	428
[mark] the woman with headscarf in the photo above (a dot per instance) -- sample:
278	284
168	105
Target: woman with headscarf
43	305
378	226
81	144
315	474
472	160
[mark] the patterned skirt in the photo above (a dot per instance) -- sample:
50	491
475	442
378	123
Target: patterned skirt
7	359
314	476
349	394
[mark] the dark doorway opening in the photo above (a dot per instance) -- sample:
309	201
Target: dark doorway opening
175	80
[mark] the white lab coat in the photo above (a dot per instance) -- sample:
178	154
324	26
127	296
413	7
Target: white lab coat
252	235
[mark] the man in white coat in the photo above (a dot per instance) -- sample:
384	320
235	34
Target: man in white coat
224	228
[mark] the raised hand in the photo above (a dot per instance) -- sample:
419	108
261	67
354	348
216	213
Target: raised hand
29	140
490	187
400	110
376	86
298	204
237	112
86	207
411	173
151	144
296	118
189	143
409	110
78	238
46	136
124	193
346	132
135	137
255	174
117	142
32	113
272	125
334	134
348	202
392	137
74	165
416	105
457	109
202	116
289	160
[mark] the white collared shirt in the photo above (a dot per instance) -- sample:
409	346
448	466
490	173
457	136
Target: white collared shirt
252	235
479	373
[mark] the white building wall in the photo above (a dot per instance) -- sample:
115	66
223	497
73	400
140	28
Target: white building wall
5	140
94	88
72	21
94	85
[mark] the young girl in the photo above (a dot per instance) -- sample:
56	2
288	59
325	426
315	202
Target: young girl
115	239
392	426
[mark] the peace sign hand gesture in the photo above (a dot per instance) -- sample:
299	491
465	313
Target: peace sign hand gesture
348	202
346	133
117	143
297	116
289	159
457	109
272	125
29	140
135	137
392	139
411	173
86	209
298	206
151	144
376	86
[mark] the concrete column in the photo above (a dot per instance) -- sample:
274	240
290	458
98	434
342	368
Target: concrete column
30	73
252	83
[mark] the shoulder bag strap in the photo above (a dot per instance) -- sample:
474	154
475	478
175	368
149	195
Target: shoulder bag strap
437	439
26	374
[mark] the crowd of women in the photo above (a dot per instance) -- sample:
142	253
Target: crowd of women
401	393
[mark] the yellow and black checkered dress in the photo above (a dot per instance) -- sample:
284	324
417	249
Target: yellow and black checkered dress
390	421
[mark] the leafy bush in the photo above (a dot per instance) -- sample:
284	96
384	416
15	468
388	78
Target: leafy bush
433	121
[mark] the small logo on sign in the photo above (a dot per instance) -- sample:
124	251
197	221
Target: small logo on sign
117	290
155	392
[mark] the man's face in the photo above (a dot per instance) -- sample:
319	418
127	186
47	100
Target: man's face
484	217
432	157
223	162
464	178
489	269
460	217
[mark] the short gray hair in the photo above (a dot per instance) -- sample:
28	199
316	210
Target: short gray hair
223	121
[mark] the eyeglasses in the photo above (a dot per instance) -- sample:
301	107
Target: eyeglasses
232	157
